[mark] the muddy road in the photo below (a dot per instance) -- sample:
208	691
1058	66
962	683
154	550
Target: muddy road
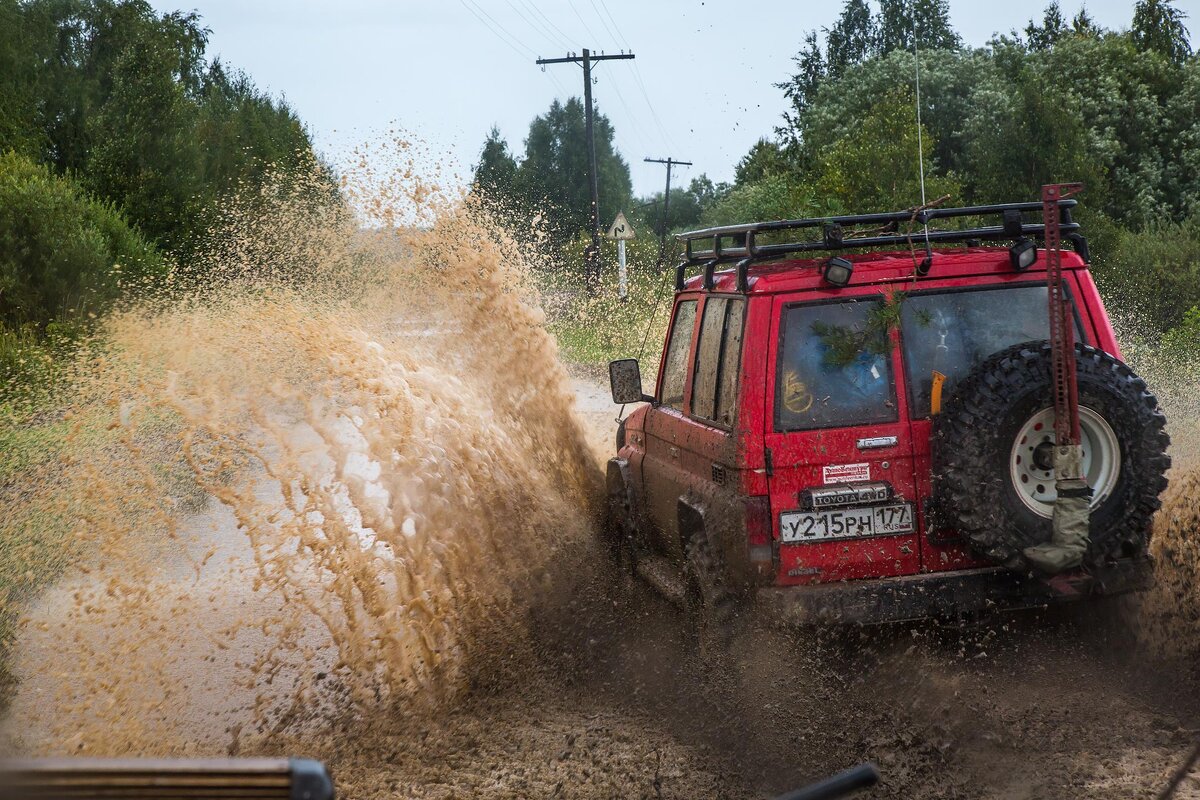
602	695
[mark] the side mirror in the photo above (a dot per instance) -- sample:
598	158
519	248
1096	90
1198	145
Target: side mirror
625	378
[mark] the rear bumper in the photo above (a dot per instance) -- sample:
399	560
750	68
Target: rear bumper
943	594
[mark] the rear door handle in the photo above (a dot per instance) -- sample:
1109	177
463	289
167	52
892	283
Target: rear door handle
674	451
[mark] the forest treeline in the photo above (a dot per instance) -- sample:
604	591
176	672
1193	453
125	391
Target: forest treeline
119	141
1062	99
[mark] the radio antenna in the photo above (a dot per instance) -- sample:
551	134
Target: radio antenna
928	262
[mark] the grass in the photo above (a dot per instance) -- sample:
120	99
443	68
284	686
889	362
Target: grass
595	326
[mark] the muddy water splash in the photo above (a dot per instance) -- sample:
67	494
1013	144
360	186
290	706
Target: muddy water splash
374	464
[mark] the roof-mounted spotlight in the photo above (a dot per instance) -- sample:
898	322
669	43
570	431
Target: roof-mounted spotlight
1022	254
837	271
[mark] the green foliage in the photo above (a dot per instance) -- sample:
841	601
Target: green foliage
1052	28
594	326
1154	274
1183	341
496	172
1075	104
874	166
63	255
1158	27
777	196
802	87
925	21
845	345
687	208
122	98
551	181
852	39
64	258
765	158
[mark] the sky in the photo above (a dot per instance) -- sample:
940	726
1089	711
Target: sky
699	89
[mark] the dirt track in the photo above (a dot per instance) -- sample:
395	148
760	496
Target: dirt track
1053	705
602	696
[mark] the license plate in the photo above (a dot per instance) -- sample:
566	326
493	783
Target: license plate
846	523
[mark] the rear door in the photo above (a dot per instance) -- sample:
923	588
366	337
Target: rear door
664	474
949	329
841	465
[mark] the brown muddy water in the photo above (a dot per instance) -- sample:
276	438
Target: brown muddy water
354	520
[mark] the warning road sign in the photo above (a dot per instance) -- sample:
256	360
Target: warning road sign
621	230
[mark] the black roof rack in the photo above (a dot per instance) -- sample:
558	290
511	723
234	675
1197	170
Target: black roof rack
738	244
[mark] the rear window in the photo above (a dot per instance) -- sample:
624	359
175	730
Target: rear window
952	332
718	359
834	367
675	366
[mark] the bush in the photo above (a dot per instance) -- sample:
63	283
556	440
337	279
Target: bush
1153	274
63	255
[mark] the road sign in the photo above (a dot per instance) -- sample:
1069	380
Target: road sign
621	230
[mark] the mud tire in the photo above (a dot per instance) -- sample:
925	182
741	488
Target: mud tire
973	436
714	605
620	535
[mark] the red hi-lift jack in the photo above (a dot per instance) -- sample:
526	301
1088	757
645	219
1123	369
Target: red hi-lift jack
1069	540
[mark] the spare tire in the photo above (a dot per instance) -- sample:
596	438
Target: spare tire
993	474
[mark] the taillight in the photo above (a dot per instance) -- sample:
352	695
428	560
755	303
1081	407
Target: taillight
758	535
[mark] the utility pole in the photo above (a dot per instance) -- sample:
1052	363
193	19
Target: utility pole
662	243
591	257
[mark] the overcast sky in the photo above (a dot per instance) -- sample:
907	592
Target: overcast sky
700	89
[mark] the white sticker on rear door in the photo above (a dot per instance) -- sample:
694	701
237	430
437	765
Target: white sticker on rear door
844	473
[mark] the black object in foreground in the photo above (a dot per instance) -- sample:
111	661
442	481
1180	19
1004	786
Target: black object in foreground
165	779
839	785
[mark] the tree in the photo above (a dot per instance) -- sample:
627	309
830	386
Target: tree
63	254
801	88
765	158
144	155
1052	28
852	39
554	172
1083	25
1027	133
928	21
496	172
688	205
1158	27
874	166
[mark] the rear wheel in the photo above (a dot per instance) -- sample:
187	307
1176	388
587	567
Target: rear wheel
993	471
714	604
620	535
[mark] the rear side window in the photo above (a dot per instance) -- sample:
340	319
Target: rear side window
834	367
718	361
675	366
953	332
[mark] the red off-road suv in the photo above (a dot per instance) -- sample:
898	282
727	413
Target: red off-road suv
868	437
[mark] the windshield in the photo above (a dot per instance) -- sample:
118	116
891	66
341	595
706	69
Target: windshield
952	332
833	367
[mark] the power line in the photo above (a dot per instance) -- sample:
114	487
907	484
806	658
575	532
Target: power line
667	139
592	254
603	21
586	27
633	123
615	25
534	25
530	4
499	31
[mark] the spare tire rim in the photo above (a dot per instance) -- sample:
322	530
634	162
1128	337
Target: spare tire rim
1031	461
